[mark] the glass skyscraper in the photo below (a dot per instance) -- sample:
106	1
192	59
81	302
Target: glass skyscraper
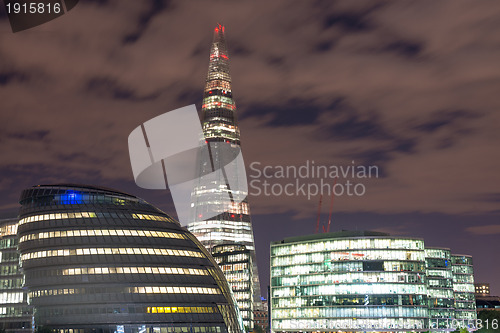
100	260
367	281
231	223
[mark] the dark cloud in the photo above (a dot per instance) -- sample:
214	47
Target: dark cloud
404	48
30	135
9	77
441	119
350	22
156	8
108	88
295	111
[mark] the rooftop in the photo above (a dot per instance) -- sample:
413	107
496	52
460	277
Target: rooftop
338	234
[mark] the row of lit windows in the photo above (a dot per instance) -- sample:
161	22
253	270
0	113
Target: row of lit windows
353	312
156	329
221	84
339	256
216	98
112	251
173	290
181	309
444	273
11	297
462	269
10	269
347	244
218	75
383	324
8	230
130	290
440	283
12	283
235	267
463	287
134	270
347	266
350	300
215	105
76	309
440	293
79	215
83	233
363	277
232	258
350	289
461	260
437	253
463	278
466	314
8	243
14	311
7	256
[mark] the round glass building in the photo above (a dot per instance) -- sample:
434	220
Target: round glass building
99	260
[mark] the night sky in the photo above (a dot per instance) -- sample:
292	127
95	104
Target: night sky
410	87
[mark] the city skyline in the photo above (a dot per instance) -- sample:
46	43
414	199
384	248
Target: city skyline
365	82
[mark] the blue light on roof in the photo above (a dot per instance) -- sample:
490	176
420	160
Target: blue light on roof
71	198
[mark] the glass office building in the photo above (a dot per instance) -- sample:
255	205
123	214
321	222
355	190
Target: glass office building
96	259
216	217
440	286
15	314
463	287
358	281
236	264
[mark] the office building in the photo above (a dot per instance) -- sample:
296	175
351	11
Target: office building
463	287
364	281
100	260
482	289
15	314
236	263
231	222
441	299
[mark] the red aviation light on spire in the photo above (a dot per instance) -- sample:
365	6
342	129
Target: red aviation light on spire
218	28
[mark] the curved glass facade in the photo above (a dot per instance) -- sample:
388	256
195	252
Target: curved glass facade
98	259
347	281
363	281
440	286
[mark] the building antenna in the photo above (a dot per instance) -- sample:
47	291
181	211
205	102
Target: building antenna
331	205
319	212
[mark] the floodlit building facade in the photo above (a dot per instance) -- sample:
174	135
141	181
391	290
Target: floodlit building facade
231	222
482	289
15	313
440	293
463	287
96	259
360	281
236	263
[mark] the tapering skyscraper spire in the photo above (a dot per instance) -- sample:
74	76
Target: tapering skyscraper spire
231	223
218	109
